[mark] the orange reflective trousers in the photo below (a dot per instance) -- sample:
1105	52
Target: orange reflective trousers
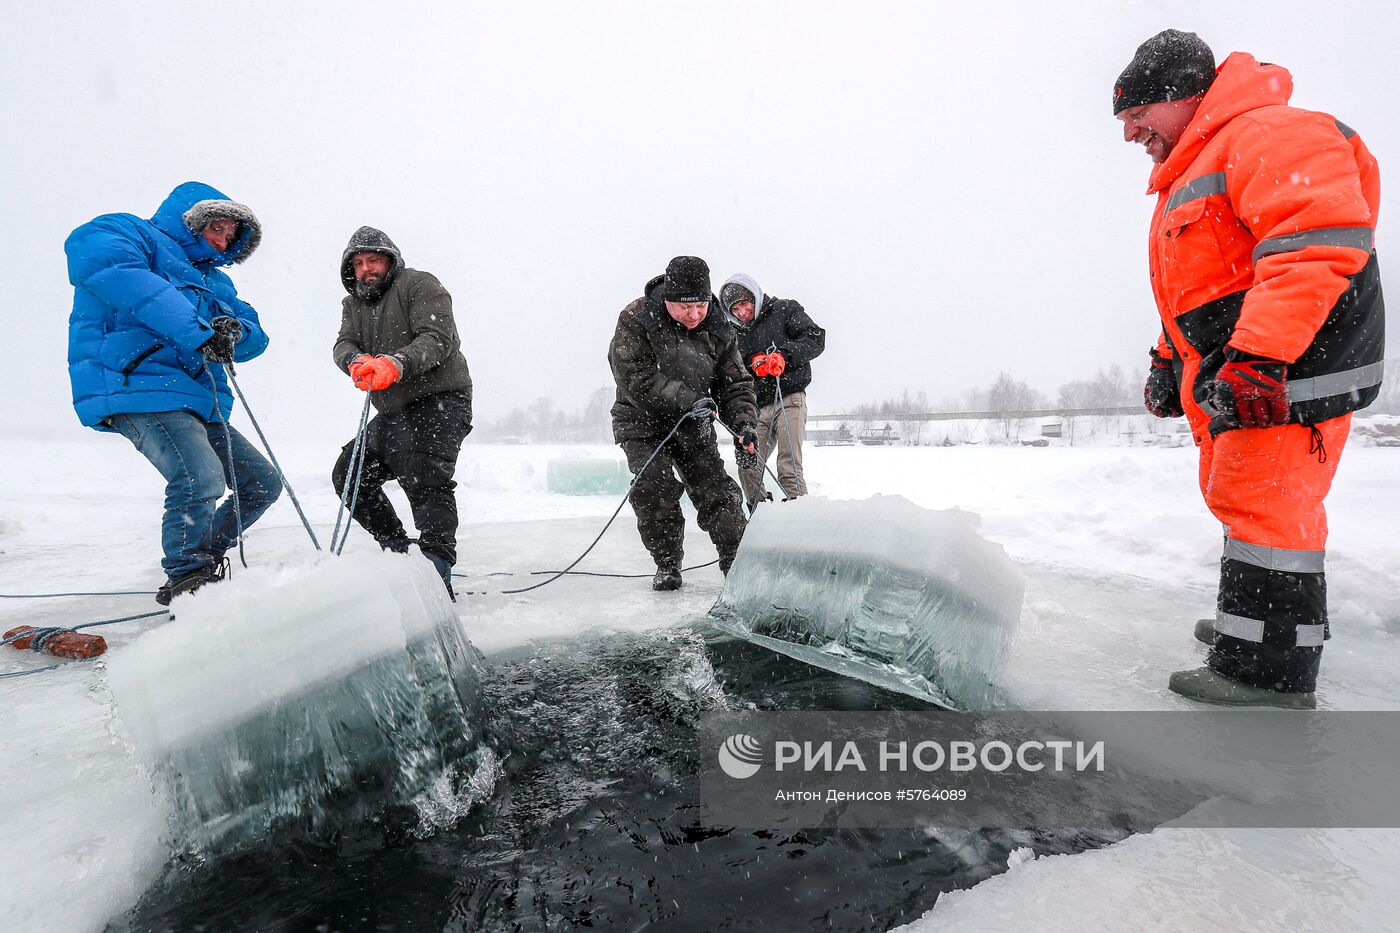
1267	486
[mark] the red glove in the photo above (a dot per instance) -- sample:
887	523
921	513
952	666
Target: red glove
1250	391
759	364
357	364
777	363
377	373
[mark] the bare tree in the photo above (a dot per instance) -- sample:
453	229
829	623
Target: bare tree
1008	396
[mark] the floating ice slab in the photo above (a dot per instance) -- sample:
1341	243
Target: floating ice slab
303	698
587	476
880	589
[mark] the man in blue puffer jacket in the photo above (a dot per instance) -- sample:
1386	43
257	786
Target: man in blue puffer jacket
154	321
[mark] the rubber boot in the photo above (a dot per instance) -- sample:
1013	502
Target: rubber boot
668	577
444	570
1205	631
1206	686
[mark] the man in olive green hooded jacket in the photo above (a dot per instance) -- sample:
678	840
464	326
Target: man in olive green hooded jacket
399	342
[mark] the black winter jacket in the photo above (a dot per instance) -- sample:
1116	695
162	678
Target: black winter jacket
662	369
782	323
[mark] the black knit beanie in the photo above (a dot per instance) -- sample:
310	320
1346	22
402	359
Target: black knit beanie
687	280
733	293
1172	65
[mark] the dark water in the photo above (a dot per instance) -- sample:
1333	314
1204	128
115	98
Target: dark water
594	823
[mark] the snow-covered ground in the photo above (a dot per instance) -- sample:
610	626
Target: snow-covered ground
1119	554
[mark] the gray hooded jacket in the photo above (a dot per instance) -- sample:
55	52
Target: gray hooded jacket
412	322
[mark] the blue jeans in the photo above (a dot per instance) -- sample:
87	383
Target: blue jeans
193	455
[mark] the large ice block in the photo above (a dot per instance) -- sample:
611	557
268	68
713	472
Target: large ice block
881	589
587	476
298	700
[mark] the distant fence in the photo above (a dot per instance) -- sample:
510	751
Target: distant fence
983	415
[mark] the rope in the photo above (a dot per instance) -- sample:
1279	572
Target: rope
620	576
593	573
616	511
228	457
42	634
271	456
351	489
56	595
765	459
787	432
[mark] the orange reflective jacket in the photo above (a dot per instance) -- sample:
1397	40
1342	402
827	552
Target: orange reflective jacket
1263	238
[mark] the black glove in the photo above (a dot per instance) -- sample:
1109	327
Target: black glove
228	326
1161	394
218	348
704	407
748	437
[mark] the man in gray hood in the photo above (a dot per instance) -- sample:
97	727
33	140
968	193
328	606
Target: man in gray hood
398	341
777	341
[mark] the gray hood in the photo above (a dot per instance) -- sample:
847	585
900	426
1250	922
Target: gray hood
372	240
751	283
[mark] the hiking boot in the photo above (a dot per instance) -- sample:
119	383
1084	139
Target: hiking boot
726	560
397	545
178	586
668	577
1205	631
1206	686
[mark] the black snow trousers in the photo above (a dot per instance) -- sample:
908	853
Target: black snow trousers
656	497
417	446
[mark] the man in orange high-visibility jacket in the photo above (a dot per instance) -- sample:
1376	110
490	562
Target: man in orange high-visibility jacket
1262	262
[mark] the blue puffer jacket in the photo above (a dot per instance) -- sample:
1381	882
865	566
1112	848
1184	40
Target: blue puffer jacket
144	294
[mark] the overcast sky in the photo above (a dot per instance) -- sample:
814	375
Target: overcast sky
943	186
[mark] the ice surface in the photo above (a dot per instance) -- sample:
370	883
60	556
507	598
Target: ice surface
300	699
1119	555
1191	879
879	589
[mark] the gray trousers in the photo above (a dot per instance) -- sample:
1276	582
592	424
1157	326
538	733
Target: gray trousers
787	439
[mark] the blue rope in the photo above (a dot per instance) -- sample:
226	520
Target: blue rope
272	457
56	595
351	489
228	455
42	635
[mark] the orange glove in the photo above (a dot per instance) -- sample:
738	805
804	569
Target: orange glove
777	363
357	364
759	364
377	373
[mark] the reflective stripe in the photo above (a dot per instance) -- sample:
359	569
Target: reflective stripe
1357	237
1346	131
1348	380
1274	558
1239	627
1213	183
1310	636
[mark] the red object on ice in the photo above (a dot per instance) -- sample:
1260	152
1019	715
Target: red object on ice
75	645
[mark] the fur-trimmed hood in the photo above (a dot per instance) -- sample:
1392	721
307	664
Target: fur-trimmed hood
750	283
372	240
187	210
